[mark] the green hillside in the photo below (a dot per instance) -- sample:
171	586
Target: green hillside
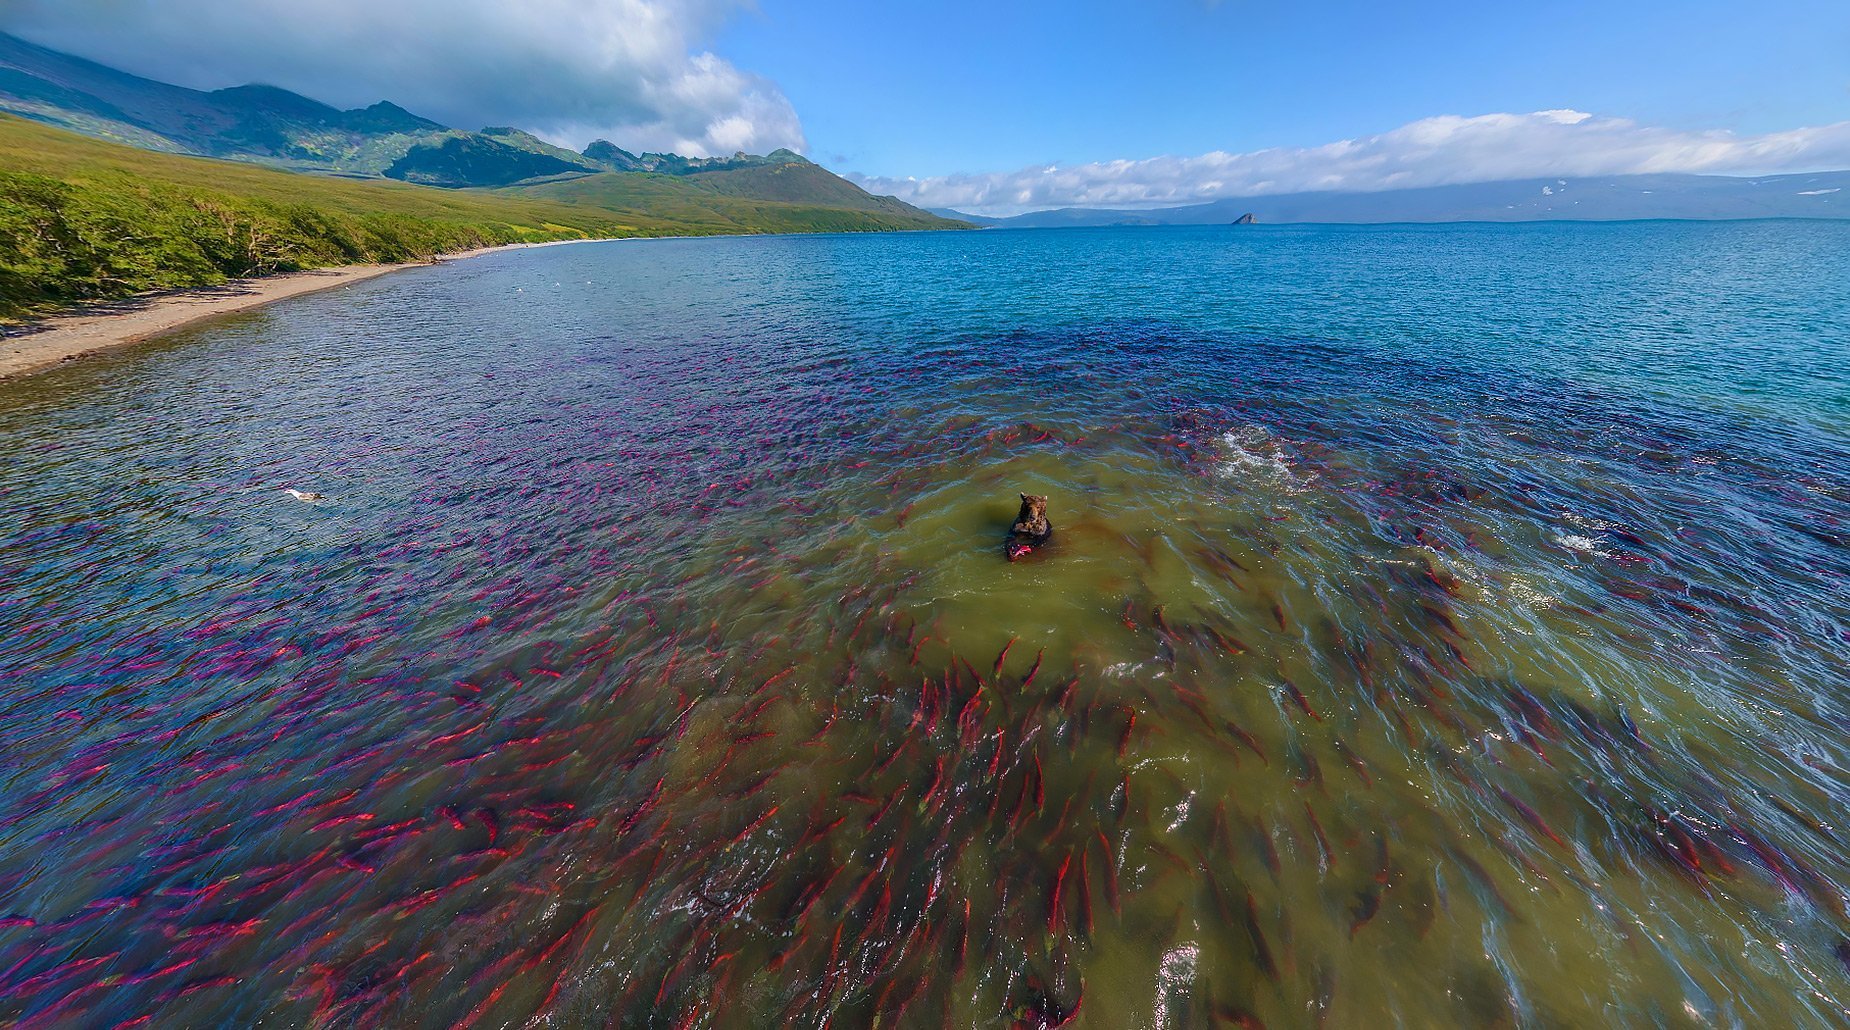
798	181
252	122
82	219
771	198
480	159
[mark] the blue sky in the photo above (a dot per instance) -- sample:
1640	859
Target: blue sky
896	90
999	107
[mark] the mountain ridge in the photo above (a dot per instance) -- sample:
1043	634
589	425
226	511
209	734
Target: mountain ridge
253	121
269	125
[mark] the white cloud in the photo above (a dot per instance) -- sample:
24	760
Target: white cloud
1437	151
633	71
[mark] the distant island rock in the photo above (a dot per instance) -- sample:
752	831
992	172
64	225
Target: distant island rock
1246	219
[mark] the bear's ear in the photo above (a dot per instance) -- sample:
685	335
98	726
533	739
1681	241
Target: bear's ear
1025	498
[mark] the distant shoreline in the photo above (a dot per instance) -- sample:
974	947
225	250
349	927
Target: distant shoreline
61	339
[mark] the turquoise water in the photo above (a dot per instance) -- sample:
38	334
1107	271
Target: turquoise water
1443	626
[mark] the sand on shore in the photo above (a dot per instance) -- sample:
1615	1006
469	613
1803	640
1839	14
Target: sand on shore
63	338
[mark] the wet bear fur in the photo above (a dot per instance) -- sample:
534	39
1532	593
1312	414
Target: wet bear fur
1031	529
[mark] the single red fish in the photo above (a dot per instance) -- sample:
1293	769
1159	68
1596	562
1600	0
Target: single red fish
1301	701
1053	908
1534	818
1001	657
341	820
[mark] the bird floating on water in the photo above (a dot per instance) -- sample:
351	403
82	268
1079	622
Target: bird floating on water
302	495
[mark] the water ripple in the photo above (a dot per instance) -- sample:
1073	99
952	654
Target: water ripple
1443	626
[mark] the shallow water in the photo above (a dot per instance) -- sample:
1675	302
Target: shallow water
1444	626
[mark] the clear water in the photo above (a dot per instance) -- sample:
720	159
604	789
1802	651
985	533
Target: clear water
1444	626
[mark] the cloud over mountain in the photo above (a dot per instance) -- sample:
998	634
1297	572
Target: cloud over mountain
1438	151
634	71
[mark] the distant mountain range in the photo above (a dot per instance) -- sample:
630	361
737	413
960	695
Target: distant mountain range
1594	198
272	126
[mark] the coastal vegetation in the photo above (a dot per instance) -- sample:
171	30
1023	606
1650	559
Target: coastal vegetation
85	220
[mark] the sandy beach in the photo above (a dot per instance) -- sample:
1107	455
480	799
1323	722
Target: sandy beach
63	338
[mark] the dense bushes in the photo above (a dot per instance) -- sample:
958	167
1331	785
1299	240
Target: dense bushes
113	236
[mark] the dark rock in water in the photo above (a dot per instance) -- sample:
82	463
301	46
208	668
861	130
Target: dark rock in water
1246	219
1031	528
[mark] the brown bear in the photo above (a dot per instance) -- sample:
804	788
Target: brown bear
1031	529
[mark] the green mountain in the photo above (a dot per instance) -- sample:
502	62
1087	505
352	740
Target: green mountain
83	219
730	194
492	157
254	122
268	125
788	177
764	198
613	158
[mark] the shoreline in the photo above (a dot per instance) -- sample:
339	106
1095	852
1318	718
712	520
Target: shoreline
61	339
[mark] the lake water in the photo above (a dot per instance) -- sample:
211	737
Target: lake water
1444	626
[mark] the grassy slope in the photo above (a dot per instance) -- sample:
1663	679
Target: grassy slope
82	219
780	198
796	182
